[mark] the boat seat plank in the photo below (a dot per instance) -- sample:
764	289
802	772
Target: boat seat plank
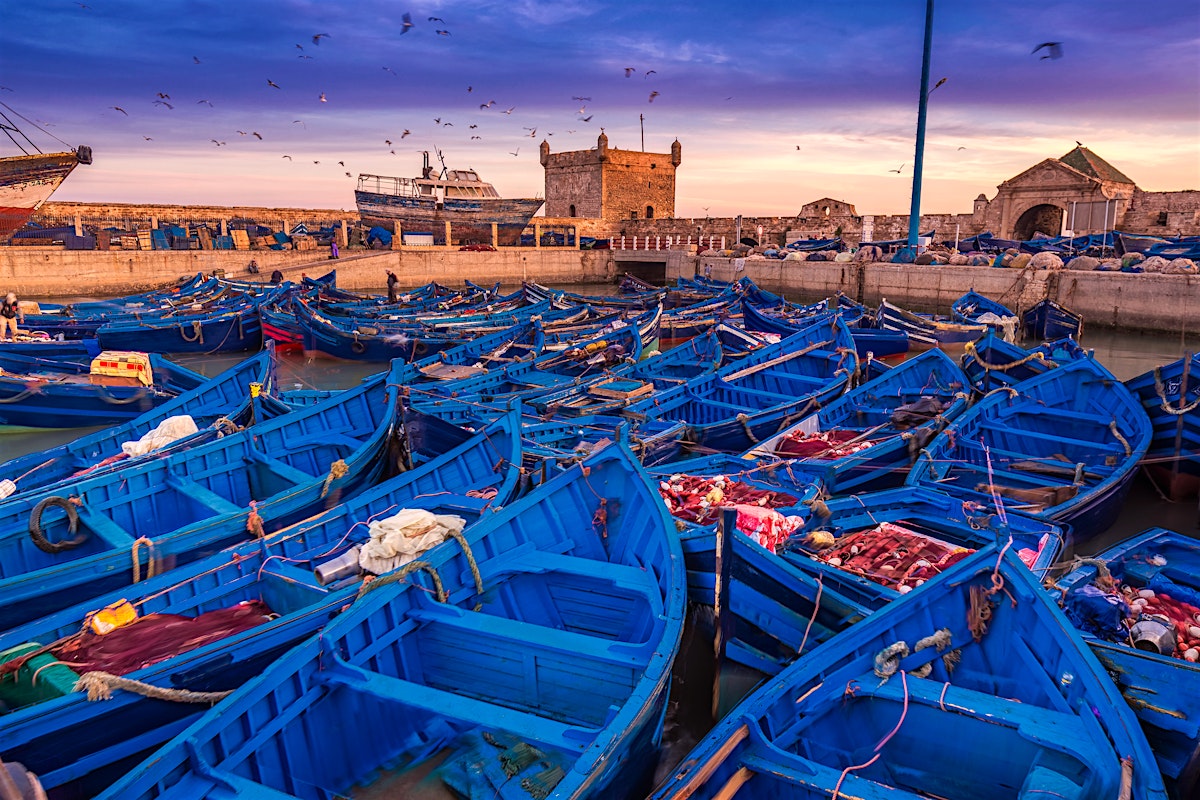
104	528
623	576
1104	447
201	495
285	471
522	724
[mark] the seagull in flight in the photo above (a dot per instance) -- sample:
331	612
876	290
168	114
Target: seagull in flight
256	134
272	83
214	141
118	108
322	98
897	171
387	141
407	23
317	38
514	154
509	110
652	96
195	60
588	118
163	103
289	158
476	137
650	72
442	33
210	105
164	96
1053	49
147	138
389	69
629	71
406	133
488	104
581	99
437	19
437	120
300	122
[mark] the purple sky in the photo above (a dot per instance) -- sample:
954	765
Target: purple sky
742	86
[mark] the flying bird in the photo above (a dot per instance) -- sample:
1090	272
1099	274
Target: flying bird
147	138
509	110
118	108
342	163
650	72
962	148
317	38
299	47
198	102
588	118
214	141
257	135
472	126
406	133
387	141
300	122
629	71
81	5
289	158
163	103
447	124
470	89
513	154
272	83
581	99
1053	49
322	98
652	96
308	57
316	162
437	19
897	171
437	120
581	109
442	33
476	137
488	104
348	175
195	60
389	69
1078	143
797	147
407	23
241	133
164	96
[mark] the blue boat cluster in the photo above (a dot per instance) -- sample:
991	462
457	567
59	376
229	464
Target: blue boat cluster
470	573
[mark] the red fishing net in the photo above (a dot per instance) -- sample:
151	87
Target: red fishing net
822	444
893	555
698	499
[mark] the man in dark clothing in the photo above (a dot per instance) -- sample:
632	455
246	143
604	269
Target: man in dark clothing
277	277
393	284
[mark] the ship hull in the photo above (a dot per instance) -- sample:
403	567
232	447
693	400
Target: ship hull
26	182
470	220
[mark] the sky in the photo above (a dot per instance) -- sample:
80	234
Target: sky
776	104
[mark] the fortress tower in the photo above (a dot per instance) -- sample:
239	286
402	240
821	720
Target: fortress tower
610	184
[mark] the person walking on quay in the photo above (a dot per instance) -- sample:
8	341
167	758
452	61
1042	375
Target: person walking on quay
277	277
393	284
333	249
10	312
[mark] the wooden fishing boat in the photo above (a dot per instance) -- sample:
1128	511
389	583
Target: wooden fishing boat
1136	604
212	625
1048	320
58	550
927	330
867	438
875	547
1170	394
473	684
977	661
992	362
228	396
224	330
1064	448
761	394
112	388
868	338
978	309
42	345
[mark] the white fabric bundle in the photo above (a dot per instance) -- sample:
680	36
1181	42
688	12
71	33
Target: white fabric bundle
399	539
169	430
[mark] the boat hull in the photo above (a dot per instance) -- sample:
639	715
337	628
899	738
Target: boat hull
470	220
26	182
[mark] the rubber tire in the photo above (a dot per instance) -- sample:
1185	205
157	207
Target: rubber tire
358	347
35	526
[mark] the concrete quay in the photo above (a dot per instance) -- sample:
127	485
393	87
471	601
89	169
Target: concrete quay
1148	301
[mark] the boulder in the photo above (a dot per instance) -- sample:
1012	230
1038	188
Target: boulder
1045	261
1083	263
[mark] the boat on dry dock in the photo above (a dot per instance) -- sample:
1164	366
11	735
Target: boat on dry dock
457	196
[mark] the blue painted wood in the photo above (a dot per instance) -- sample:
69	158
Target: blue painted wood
227	395
73	744
583	587
1169	394
973	307
58	392
192	503
1063	446
927	330
1164	691
1049	320
1024	689
867	337
868	412
991	362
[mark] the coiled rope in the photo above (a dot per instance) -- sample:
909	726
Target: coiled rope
197	332
337	469
399	575
989	366
1161	391
152	564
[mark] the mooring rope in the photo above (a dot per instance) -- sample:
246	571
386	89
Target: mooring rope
99	686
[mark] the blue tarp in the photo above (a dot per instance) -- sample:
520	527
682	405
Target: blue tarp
381	235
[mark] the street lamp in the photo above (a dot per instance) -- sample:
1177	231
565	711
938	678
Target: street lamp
914	214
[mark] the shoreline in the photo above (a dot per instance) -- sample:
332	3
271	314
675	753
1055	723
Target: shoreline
1157	302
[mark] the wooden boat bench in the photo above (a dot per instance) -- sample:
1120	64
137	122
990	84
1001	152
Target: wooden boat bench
280	469
202	495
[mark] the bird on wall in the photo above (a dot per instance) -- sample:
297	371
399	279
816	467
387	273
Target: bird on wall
1053	50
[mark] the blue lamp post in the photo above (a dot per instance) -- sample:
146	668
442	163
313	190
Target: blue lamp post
914	214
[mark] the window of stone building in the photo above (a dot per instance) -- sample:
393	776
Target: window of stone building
633	215
571	210
652	166
649	212
826	209
1162	218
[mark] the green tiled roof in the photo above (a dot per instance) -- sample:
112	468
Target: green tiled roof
1091	164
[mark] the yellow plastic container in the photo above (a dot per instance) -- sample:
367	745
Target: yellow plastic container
123	364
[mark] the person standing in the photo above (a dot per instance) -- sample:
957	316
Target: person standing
333	249
393	286
10	312
277	277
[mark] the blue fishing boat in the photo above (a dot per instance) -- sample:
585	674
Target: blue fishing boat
760	394
973	686
875	547
48	347
977	309
1065	447
991	362
212	625
868	338
1170	394
112	529
112	388
867	438
471	681
1136	604
228	396
1048	320
927	330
